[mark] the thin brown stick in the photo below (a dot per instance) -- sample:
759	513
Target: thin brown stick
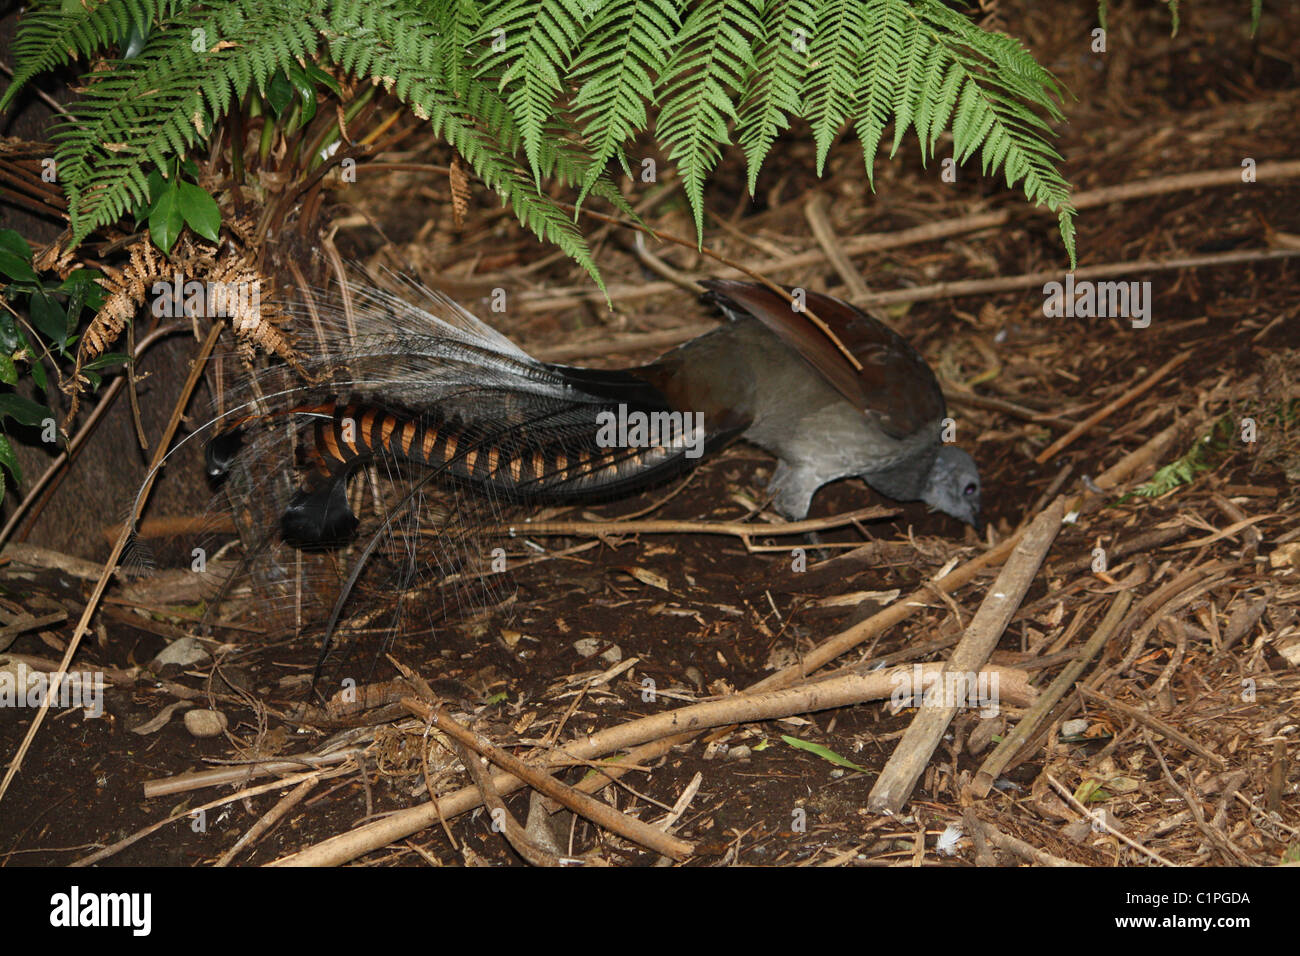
188	812
1159	726
201	779
599	813
83	433
948	290
815	211
738	529
657	265
515	834
270	818
959	397
1230	851
1101	821
196	370
1028	726
1110	408
1150	451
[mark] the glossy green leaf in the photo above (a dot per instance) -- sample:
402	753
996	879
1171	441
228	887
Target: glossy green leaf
317	75
16	268
279	93
11	339
200	210
106	360
166	219
9	460
306	95
23	410
48	317
12	242
38	369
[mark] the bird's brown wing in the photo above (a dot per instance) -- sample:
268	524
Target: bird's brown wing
895	386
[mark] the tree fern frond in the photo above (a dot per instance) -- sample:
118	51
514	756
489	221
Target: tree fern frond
697	90
160	103
479	124
532	42
527	89
995	90
780	63
624	50
460	21
836	52
916	49
54	32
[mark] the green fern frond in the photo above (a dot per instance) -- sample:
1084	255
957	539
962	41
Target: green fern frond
160	103
54	32
780	64
625	49
1003	90
839	44
393	42
698	89
530	45
530	89
461	21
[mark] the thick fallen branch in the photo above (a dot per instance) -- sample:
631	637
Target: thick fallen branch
681	724
909	759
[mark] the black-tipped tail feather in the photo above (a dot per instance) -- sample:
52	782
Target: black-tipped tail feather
319	517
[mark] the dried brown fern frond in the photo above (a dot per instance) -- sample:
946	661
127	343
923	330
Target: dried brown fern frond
460	191
127	290
202	282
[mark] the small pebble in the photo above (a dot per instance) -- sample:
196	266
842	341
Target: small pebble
205	723
182	653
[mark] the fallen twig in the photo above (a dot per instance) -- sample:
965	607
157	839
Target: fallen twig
83	625
599	813
1134	393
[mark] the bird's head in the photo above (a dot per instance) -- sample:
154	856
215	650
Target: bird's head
953	486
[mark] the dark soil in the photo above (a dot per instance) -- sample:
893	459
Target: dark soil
726	618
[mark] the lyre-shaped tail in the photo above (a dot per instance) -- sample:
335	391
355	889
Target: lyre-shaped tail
452	423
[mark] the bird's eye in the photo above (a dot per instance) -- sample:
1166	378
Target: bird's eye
971	489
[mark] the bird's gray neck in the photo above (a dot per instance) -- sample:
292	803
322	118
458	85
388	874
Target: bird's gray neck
906	480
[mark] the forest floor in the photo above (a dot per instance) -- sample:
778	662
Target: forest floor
1175	741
